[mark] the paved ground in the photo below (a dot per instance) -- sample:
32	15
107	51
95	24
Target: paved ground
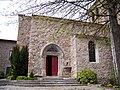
91	87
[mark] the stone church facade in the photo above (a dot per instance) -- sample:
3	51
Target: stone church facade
57	47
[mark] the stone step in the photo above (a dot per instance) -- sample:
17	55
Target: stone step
3	82
43	85
52	81
43	82
39	81
57	81
56	78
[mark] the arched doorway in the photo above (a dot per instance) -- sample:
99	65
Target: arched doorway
52	57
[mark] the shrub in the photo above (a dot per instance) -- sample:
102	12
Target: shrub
21	78
87	76
109	85
11	77
114	78
13	73
2	75
25	78
31	74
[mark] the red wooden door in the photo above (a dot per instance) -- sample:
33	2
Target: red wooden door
54	65
47	66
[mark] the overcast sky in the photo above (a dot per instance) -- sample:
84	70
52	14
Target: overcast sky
9	25
8	29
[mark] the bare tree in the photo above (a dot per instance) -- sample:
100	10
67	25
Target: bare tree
105	12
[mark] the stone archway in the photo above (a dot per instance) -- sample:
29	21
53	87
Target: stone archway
56	59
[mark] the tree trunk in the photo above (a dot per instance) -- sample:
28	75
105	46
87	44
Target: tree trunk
115	35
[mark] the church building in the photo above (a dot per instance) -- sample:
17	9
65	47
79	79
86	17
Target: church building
62	47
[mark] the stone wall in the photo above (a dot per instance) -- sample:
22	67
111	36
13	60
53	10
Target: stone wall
5	47
24	29
103	65
45	31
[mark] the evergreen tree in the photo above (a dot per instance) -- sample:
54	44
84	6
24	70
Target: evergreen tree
23	61
19	61
15	61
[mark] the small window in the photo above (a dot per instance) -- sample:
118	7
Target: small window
10	53
7	71
91	47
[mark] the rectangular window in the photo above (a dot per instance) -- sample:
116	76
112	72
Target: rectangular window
7	71
10	53
93	52
91	47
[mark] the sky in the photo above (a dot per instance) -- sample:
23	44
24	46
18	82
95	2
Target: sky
8	28
9	25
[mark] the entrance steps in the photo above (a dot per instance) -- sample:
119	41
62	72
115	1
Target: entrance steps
45	82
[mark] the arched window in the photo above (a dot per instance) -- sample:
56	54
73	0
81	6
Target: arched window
91	47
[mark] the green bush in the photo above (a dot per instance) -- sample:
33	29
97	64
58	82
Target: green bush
31	74
2	75
11	77
25	78
87	76
114	78
21	78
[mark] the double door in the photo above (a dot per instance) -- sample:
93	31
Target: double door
51	65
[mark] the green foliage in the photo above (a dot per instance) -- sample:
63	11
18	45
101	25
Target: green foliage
15	61
11	77
19	61
25	78
31	74
114	78
13	73
30	78
21	78
2	75
24	61
87	76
